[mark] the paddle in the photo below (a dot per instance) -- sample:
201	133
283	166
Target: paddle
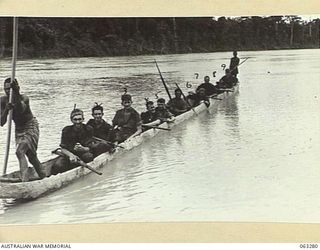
238	65
185	98
80	162
164	84
229	90
14	60
226	89
107	142
151	126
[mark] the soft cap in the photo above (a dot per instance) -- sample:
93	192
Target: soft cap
76	112
126	97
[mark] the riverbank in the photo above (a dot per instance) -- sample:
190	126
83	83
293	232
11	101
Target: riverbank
100	37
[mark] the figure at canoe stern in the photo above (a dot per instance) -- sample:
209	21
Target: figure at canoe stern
76	142
234	62
177	105
102	131
126	120
162	112
26	128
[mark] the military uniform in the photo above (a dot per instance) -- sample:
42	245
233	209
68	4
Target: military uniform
71	136
147	117
177	106
127	121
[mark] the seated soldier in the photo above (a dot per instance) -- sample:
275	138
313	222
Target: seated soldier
75	144
126	121
178	105
101	130
210	89
150	115
227	81
163	114
196	99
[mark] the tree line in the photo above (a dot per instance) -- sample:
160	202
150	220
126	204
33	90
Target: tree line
74	37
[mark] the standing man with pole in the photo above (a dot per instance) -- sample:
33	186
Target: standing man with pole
16	106
27	128
234	62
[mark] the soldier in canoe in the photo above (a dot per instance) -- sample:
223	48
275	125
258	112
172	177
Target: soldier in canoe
126	120
177	105
210	89
227	81
102	131
76	144
162	112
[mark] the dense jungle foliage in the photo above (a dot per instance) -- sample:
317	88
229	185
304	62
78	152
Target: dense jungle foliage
75	37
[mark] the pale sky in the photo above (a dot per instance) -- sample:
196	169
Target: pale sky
307	18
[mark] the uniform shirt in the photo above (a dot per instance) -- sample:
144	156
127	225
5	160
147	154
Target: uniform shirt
163	113
102	130
196	99
147	117
177	105
129	119
228	81
70	136
209	87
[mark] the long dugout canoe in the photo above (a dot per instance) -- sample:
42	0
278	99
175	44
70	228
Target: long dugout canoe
36	188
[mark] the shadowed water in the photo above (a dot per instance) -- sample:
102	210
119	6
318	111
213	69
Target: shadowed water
254	157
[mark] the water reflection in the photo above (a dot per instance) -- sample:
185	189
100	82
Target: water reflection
231	112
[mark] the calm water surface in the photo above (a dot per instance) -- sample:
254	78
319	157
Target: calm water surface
253	158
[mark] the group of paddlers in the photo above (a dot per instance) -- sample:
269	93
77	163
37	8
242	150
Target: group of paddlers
80	142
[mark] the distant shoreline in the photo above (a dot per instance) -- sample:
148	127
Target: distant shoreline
81	56
107	37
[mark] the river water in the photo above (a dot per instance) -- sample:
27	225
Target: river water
254	158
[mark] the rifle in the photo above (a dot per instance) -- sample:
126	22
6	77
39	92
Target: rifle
156	127
107	142
80	162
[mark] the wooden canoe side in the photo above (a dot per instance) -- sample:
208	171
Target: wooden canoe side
34	189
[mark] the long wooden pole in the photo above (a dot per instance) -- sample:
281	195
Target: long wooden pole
13	73
185	98
163	82
238	65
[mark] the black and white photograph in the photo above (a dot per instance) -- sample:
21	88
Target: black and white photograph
159	119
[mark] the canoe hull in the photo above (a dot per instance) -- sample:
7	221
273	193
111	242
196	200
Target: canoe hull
37	188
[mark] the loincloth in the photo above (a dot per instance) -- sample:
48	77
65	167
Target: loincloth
29	134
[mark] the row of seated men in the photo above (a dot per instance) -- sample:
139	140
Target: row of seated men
84	142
